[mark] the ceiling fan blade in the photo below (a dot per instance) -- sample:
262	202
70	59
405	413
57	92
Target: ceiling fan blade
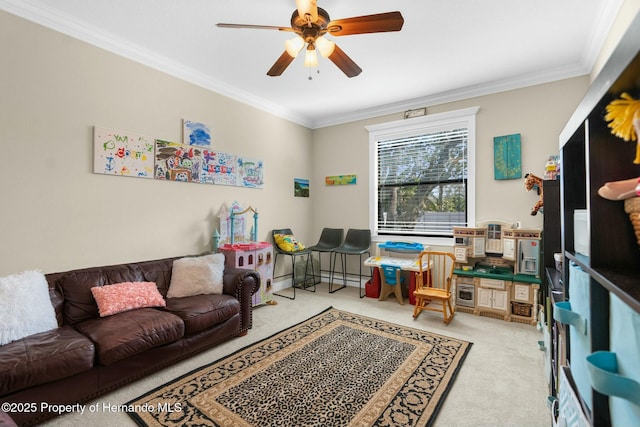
378	23
307	7
280	65
255	27
345	63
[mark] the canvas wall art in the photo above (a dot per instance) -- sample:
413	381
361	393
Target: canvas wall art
195	133
506	157
177	162
250	173
122	153
341	180
300	187
219	168
130	154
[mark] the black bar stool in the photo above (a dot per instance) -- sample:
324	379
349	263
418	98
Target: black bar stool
330	239
357	242
293	254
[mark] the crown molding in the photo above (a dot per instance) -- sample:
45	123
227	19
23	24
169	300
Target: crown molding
52	19
56	21
459	94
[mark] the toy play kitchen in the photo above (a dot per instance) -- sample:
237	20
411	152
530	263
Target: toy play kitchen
497	271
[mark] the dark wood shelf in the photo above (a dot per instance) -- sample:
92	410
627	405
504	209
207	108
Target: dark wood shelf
624	283
592	156
554	280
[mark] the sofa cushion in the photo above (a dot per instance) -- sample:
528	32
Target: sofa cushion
44	357
119	297
203	311
25	307
79	304
197	276
131	332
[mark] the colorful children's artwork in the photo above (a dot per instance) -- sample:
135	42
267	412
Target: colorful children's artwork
219	168
195	133
341	180
122	153
177	162
129	154
300	187
250	173
506	157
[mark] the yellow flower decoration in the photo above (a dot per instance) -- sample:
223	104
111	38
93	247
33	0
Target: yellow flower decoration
623	115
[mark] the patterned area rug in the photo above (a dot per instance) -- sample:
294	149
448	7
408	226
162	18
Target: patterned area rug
335	369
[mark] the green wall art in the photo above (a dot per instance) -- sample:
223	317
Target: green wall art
341	180
507	163
300	187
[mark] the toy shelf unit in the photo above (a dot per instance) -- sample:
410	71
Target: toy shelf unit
600	308
497	272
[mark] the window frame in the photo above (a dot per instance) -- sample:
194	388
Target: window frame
416	126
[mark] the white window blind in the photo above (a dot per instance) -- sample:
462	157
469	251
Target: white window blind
422	180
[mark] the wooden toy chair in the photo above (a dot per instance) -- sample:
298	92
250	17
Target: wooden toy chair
433	286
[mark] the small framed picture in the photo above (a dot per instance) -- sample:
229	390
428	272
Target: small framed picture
409	114
300	187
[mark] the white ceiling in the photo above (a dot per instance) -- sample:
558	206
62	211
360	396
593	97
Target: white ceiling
447	50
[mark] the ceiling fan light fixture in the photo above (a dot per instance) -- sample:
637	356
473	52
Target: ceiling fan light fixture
294	46
311	57
325	46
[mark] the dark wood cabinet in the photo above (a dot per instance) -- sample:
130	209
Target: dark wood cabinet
590	157
551	240
552	285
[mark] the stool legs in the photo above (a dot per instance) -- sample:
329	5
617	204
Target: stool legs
343	264
293	275
387	289
333	273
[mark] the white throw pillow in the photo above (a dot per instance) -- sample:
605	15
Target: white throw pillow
197	275
25	307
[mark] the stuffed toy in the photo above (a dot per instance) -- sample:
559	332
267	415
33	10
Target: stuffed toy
530	182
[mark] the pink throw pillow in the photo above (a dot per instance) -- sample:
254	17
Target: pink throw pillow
119	297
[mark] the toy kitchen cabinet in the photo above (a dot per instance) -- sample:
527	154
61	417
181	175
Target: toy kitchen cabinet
469	243
523	246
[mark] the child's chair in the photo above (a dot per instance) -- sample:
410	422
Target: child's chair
391	282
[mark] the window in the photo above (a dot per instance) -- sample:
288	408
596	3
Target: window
422	173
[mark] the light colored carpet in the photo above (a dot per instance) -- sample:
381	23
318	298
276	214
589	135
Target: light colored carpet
502	382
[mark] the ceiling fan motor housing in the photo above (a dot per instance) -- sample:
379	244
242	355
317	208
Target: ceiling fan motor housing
308	30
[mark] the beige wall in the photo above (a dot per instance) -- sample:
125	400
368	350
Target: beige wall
56	214
538	113
628	10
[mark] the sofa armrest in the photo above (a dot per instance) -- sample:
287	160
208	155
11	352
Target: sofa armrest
5	420
242	284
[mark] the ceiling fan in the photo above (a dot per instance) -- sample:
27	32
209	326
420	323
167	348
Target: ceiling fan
311	23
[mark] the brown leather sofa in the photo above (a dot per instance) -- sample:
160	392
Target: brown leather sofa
89	355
